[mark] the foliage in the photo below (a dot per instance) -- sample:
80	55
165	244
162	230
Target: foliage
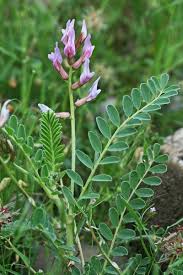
128	204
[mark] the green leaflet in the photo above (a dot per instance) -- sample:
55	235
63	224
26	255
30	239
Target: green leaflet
103	127
152	180
102	177
119	251
127	105
75	177
136	98
126	234
114	216
145	192
110	160
105	231
95	141
113	115
118	146
84	158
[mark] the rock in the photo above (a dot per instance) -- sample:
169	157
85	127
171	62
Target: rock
173	146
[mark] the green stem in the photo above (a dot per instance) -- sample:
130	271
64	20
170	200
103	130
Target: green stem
73	126
70	219
71	225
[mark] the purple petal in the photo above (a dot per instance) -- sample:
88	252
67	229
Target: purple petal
70	49
84	30
88	48
86	74
93	92
55	57
67	30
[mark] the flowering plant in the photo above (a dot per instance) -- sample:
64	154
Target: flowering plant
67	216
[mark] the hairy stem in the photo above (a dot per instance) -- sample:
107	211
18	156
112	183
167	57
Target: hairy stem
72	225
70	222
73	126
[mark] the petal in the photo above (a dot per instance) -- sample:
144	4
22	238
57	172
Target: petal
5	113
44	108
84	29
94	92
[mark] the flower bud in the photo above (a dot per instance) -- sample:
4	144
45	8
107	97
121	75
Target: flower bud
5	112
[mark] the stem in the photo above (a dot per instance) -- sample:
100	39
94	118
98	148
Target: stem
70	219
80	252
73	130
71	223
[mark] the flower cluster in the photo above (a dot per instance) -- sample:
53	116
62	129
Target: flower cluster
70	51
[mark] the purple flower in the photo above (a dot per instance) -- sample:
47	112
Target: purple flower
88	48
66	32
93	92
86	74
70	48
56	57
87	52
68	39
5	113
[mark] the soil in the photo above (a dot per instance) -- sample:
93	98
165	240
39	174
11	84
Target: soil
168	200
169	195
